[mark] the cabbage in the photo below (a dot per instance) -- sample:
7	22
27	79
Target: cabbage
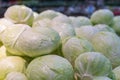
116	24
102	16
30	42
49	14
80	21
50	67
86	32
74	46
101	78
10	41
11	63
109	44
90	64
19	14
15	76
116	71
104	27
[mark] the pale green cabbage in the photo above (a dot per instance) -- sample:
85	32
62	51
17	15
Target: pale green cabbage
15	76
91	64
108	43
74	46
30	42
50	67
11	63
80	21
20	14
102	16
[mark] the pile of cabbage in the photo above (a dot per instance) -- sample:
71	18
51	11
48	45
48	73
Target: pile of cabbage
52	46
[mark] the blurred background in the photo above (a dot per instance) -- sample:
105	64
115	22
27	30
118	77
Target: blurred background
68	7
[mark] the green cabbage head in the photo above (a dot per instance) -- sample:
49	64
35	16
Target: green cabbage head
80	21
74	46
15	76
20	14
91	64
108	44
50	67
28	41
102	16
10	64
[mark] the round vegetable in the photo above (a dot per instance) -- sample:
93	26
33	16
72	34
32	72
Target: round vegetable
30	42
19	14
11	63
50	67
80	21
90	64
108	44
15	76
102	16
74	46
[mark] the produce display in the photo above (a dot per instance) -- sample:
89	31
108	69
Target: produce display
53	46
